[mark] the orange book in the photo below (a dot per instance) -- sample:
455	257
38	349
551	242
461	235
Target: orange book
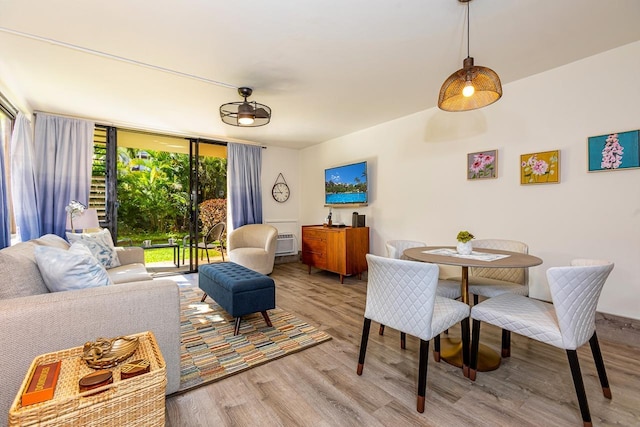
42	384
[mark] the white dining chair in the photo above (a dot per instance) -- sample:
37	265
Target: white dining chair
491	282
446	288
567	323
402	294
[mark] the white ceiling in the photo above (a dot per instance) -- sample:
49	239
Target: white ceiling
326	67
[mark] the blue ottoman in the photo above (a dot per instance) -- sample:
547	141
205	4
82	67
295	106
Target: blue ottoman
238	290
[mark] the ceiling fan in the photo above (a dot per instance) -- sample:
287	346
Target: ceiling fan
245	113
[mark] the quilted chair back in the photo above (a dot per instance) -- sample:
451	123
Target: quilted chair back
513	275
401	294
575	291
396	248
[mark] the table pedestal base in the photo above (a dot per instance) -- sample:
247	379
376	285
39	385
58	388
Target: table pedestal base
451	352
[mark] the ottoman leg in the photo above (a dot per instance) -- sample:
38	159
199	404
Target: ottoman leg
204	297
237	328
266	318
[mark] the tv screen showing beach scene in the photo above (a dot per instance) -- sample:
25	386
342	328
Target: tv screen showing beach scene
346	185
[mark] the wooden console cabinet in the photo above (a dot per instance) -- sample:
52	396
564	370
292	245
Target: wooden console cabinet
340	250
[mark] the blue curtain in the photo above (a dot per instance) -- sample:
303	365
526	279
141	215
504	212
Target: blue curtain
23	180
5	219
64	154
244	167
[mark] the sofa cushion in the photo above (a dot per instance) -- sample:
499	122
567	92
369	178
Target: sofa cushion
51	240
135	272
19	271
75	268
100	244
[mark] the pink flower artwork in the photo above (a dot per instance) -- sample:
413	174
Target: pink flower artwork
482	165
612	153
539	168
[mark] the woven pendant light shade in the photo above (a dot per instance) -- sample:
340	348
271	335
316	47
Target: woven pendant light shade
470	87
485	81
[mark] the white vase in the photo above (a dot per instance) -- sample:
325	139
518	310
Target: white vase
464	248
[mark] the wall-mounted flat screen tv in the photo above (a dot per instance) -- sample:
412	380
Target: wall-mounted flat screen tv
346	185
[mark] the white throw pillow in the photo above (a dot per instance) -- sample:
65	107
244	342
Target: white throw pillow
75	268
100	244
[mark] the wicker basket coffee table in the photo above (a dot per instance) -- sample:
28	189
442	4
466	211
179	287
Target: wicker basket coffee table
134	401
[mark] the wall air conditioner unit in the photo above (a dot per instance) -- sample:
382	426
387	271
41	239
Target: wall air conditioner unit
286	245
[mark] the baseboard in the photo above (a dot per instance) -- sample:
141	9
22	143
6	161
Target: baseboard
618	329
283	259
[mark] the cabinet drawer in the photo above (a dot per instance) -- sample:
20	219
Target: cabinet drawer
314	234
314	245
314	259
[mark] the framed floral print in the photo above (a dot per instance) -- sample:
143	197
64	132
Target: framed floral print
483	164
540	168
614	151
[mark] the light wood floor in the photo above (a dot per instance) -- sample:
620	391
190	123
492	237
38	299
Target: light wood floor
319	386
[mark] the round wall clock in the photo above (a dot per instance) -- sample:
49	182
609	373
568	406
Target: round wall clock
280	190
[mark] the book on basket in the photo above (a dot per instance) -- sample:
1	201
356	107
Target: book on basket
42	384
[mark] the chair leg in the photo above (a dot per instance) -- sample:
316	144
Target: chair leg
236	330
574	364
363	345
267	320
204	297
473	352
381	330
422	374
207	250
602	372
506	343
436	348
403	340
465	346
222	253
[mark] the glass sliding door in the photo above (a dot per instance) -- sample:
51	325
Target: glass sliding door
165	189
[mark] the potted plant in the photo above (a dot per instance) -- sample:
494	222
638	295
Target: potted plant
464	243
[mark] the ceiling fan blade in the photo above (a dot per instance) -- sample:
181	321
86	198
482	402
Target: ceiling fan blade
261	113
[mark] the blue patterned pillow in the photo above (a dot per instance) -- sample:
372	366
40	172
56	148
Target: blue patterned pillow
100	244
75	268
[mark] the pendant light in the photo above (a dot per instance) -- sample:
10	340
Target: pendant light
245	113
472	86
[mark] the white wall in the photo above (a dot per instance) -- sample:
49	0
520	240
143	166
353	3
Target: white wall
284	216
419	190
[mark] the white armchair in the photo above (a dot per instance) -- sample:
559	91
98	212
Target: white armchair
253	246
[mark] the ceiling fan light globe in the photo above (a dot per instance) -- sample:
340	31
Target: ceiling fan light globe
245	119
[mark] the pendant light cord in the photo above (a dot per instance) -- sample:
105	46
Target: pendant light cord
468	30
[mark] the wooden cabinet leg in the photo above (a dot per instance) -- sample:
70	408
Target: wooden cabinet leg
341	279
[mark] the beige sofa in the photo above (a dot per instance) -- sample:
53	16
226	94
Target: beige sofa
35	321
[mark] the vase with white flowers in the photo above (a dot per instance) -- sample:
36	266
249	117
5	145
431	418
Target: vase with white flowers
464	246
74	209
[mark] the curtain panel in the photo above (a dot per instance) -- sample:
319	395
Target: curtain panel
5	218
244	168
24	191
64	155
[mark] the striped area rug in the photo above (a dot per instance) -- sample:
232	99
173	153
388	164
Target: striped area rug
210	352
